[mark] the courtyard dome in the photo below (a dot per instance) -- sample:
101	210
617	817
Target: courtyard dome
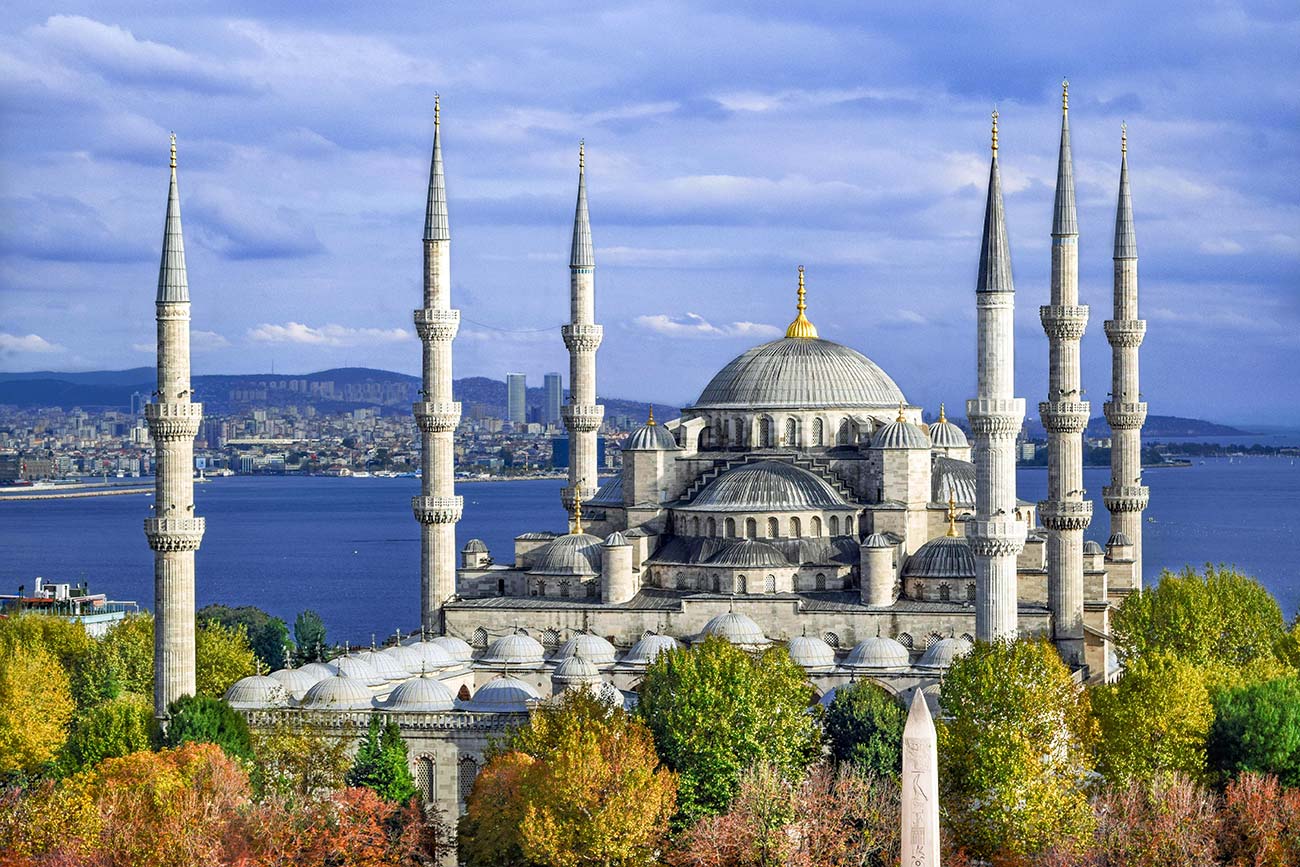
360	669
946	435
257	691
878	652
420	695
340	692
385	666
953	478
319	670
736	628
457	648
944	652
811	652
592	648
408	656
650	646
514	649
767	486
575	670
616	540
574	554
502	695
943	557
295	681
900	434
799	373
749	554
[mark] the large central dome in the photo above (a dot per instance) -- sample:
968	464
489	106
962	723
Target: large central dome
800	373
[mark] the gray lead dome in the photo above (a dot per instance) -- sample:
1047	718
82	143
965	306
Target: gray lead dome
768	486
800	373
944	557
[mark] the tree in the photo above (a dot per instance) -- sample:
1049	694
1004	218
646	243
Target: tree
381	763
1257	728
66	640
309	636
267	635
116	727
128	654
580	784
1014	750
35	706
207	720
864	727
222	656
1260	823
715	711
1169	822
293	761
1153	721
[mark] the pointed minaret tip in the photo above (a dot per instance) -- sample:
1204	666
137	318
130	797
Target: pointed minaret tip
995	252
172	136
995	133
582	254
1125	234
1065	94
1065	219
801	327
173	284
436	225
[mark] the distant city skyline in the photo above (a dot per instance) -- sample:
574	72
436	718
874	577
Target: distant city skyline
778	137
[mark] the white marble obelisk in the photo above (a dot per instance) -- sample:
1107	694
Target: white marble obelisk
920	846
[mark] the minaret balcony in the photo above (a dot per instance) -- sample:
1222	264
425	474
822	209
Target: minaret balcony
1126	498
437	417
174	534
1064	322
1125	332
434	324
996	416
582	419
582	338
1065	514
1064	416
1125	414
173	422
438	510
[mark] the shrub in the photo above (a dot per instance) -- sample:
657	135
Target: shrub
203	719
864	727
1257	728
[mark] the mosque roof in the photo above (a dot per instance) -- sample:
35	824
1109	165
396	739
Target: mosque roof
608	494
737	628
576	669
810	651
340	692
420	695
571	554
295	681
650	646
942	557
650	437
901	434
946	435
878	652
1092	547
457	648
805	551
592	648
502	695
944	652
257	691
950	477
749	554
475	546
514	649
767	486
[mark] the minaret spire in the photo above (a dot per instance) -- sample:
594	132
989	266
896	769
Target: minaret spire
801	327
174	532
996	534
437	508
1065	513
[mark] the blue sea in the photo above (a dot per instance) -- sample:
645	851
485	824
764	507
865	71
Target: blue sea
349	548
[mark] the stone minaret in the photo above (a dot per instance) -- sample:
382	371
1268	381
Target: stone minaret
174	532
996	534
437	508
1126	496
1065	513
582	336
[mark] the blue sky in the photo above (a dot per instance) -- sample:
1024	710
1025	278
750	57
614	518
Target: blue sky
727	143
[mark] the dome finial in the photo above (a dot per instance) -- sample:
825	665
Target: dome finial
582	154
901	417
437	108
650	421
801	327
1123	137
1065	94
943	419
952	514
995	132
576	529
173	139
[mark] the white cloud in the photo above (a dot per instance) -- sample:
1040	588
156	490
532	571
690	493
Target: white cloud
325	335
1221	247
12	344
695	325
206	341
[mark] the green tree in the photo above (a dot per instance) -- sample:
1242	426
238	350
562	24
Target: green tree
1014	750
715	711
1153	721
309	636
66	640
864	727
125	658
222	656
381	763
128	648
207	720
267	635
35	706
1257	728
117	727
293	761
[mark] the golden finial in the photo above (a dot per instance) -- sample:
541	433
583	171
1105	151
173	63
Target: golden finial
582	154
437	108
801	327
943	419
952	514
901	417
995	132
650	422
576	529
173	138
1065	94
1123	137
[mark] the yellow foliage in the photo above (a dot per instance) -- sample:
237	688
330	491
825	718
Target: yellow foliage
35	706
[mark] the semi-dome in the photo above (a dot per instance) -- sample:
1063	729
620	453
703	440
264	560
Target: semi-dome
295	681
799	373
420	695
385	666
944	557
736	628
950	477
811	652
749	554
900	434
650	437
650	646
457	648
878	652
592	648
575	670
574	554
946	435
257	691
767	486
340	692
944	652
319	670
514	649
502	695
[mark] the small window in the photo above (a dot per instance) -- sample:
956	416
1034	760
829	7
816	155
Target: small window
717	584
835	525
842	438
564	587
742	584
712	528
970	592
550	639
815	527
967	637
818	432
848	526
769	584
791	432
731	528
479	638
467	772
945	593
773	528
932	639
501	587
796	529
751	528
905	639
463	693
426	777
821	581
832	639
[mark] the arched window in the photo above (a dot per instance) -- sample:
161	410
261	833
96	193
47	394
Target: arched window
832	639
551	638
466	772
765	432
818	433
741	438
769	584
731	528
712	527
945	593
695	526
966	636
742	584
751	528
501	587
593	589
564	587
773	528
426	777
791	432
906	640
478	638
835	525
717	584
796	529
848	526
463	692
815	527
541	587
970	592
842	438
932	639
821	581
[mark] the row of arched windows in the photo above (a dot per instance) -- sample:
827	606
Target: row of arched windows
794	527
737	432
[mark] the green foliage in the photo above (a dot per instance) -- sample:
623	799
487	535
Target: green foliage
267	635
293	762
122	661
128	647
864	727
35	706
204	719
716	711
221	657
117	727
309	636
1014	750
1257	728
65	640
1153	721
381	763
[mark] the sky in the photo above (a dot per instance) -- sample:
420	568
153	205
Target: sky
726	145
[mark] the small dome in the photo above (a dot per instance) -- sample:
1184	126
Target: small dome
572	554
359	669
420	695
749	554
650	646
575	670
592	648
257	691
319	670
434	655
1092	547
799	373
457	648
944	652
475	546
767	486
811	652
946	435
950	477
1117	540
942	557
340	692
650	438
514	649
736	628
877	540
900	435
295	681
385	666
502	695
878	652
616	540
407	656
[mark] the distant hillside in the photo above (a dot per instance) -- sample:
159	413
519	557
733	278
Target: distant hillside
1156	426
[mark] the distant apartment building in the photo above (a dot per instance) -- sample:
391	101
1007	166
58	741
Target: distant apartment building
553	399
516	398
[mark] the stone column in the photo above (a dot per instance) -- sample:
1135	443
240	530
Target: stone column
920	787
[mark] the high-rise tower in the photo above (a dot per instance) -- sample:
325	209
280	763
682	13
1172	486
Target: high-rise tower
174	531
1065	513
582	336
1126	497
996	534
437	508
